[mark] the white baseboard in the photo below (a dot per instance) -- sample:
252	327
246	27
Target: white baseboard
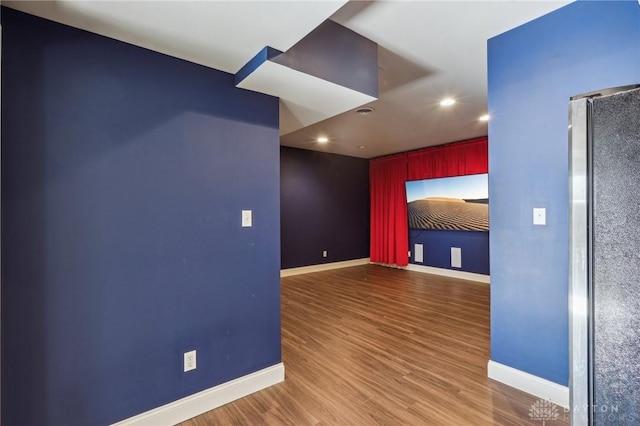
448	273
529	383
201	402
323	267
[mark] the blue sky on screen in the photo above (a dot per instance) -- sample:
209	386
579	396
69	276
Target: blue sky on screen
466	187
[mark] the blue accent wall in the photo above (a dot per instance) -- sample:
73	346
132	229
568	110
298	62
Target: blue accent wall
437	249
324	206
124	173
533	71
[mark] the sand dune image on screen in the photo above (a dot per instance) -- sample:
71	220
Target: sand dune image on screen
448	214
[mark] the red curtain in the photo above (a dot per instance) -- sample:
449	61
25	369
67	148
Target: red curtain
455	159
387	176
389	229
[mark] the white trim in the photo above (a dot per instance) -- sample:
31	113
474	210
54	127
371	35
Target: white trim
448	273
323	267
201	402
529	383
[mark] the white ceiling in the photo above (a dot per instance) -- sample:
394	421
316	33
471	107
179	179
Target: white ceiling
427	50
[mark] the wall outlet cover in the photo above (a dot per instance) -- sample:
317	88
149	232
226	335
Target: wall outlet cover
189	361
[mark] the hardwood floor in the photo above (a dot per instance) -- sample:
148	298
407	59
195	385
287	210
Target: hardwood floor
370	345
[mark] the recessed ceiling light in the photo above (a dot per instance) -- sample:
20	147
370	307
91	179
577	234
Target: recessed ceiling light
447	102
485	117
322	139
364	110
361	147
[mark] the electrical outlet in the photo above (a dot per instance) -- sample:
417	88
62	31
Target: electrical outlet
324	253
189	361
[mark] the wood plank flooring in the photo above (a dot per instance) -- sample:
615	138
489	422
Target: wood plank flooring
370	345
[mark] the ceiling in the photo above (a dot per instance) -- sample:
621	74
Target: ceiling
427	50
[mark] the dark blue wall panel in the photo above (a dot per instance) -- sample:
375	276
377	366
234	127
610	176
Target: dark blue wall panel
324	206
533	71
437	249
124	173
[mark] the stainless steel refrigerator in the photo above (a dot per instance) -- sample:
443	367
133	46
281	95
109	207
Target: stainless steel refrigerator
604	296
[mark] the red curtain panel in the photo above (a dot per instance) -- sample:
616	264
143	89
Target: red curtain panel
388	175
389	229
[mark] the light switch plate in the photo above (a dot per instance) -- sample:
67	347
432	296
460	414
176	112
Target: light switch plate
539	216
247	220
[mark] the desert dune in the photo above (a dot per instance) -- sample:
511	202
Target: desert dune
448	214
